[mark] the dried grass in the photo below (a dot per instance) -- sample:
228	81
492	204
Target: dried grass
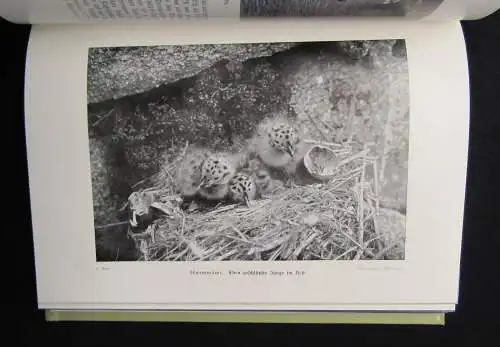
333	220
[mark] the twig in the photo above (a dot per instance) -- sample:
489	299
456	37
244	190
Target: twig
377	204
223	209
183	153
361	211
183	225
325	143
168	252
319	256
376	184
124	206
353	174
181	253
351	158
292	223
304	244
240	240
106	115
227	255
111	225
327	125
276	253
256	208
367	243
350	238
167	172
387	135
204	257
291	244
345	253
239	233
352	112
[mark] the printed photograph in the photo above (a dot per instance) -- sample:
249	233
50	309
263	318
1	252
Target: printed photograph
289	151
306	8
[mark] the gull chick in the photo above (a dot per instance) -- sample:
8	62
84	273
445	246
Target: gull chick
278	145
216	173
242	188
189	175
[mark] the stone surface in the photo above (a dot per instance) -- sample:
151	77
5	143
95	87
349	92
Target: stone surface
111	242
117	72
391	226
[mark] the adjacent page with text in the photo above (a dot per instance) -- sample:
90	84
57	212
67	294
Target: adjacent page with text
299	164
92	11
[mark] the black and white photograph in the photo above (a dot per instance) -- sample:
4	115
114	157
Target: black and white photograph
363	8
280	151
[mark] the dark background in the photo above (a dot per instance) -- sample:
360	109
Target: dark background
476	319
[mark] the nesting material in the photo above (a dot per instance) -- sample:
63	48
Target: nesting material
332	220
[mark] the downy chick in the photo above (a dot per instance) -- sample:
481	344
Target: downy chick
189	174
242	188
280	146
216	173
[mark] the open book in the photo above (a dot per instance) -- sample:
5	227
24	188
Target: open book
247	155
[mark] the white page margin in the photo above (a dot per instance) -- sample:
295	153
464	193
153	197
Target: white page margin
61	192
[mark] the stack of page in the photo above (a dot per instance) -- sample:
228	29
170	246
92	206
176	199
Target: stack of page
247	155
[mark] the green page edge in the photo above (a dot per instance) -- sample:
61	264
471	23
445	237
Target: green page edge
420	318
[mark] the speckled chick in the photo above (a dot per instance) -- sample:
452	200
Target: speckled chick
242	188
265	184
216	173
188	175
278	145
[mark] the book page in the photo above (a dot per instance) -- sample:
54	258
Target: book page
463	10
267	307
299	163
91	11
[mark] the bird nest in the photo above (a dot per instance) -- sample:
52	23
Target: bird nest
332	220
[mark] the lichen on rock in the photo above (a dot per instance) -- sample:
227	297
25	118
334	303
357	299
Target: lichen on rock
116	72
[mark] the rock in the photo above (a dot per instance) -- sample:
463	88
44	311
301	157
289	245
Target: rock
208	110
114	245
359	103
391	226
117	72
354	49
111	242
325	88
101	177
